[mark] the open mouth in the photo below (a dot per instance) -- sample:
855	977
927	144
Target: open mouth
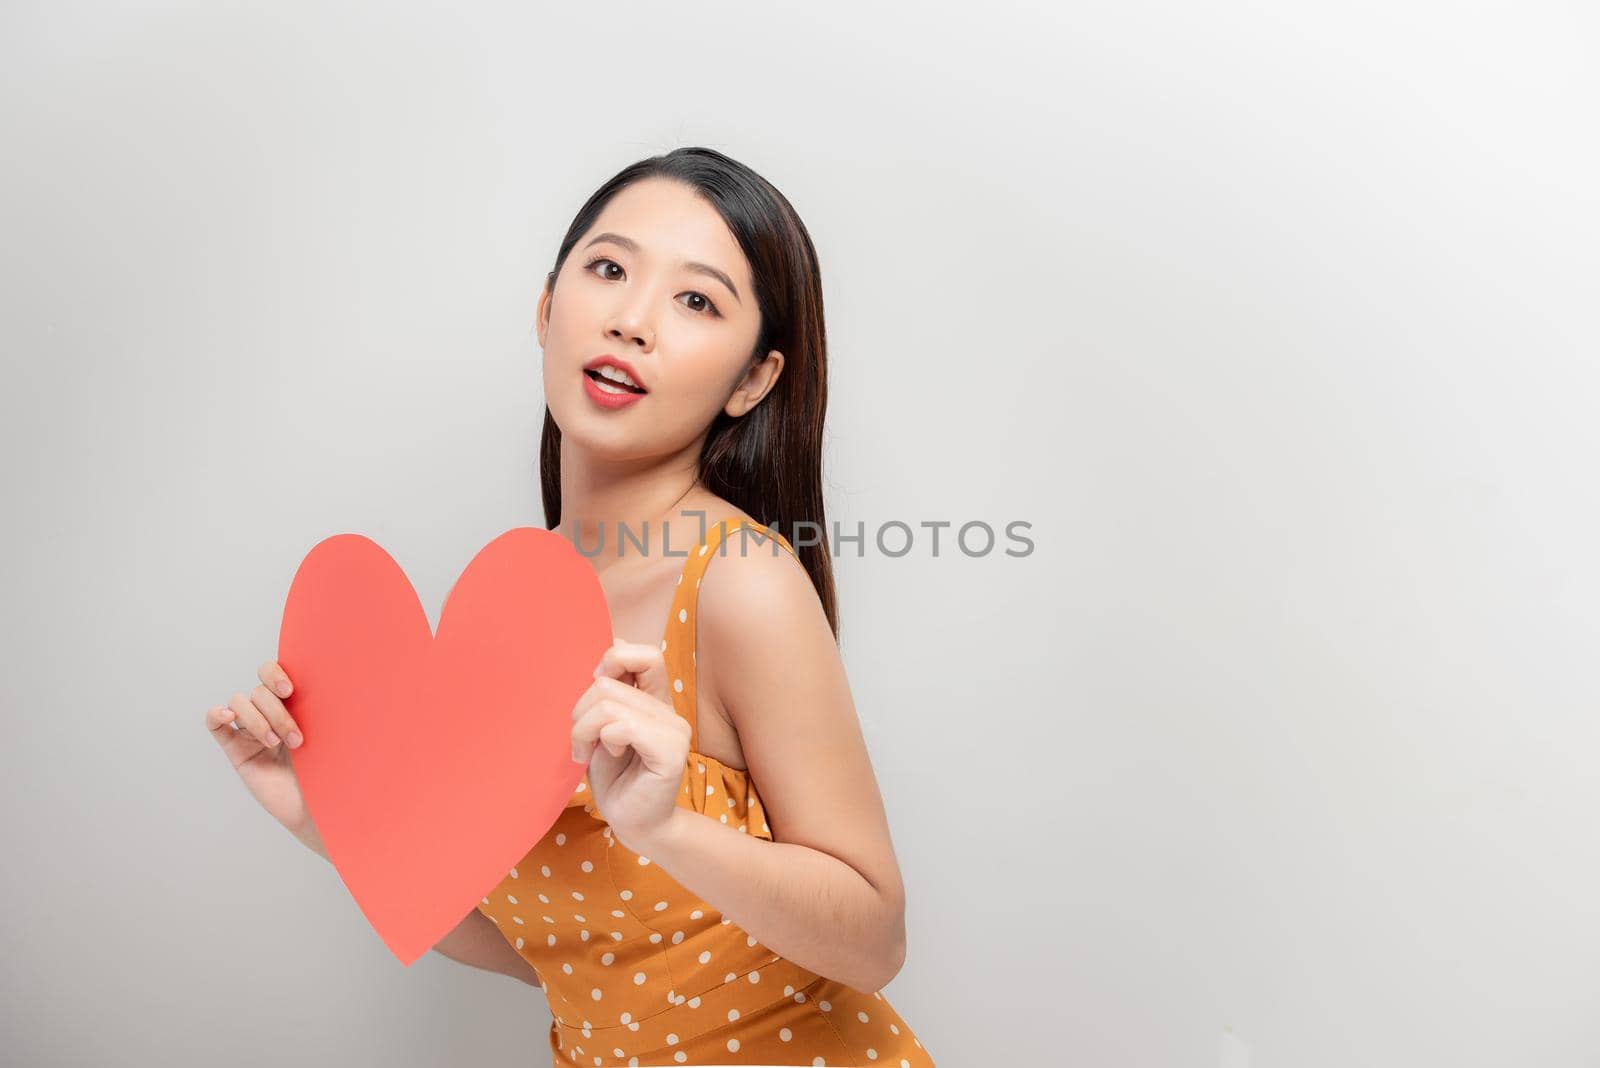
611	386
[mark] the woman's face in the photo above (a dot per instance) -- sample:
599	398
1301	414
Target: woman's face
630	290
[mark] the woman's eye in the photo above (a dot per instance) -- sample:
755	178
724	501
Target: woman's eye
706	304
601	259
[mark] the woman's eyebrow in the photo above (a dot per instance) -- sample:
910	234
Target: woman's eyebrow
700	268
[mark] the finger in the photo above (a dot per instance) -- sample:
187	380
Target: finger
586	729
586	725
616	689
219	721
623	657
597	690
614	737
277	716
660	741
662	746
250	719
591	693
240	745
273	675
645	666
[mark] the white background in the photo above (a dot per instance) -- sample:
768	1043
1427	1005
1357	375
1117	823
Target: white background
1278	323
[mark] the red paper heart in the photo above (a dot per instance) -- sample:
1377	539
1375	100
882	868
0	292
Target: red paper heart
432	763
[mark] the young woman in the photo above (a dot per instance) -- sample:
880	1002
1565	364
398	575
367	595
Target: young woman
675	914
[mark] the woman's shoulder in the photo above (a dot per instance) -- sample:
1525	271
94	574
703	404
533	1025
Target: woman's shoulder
752	567
710	509
754	575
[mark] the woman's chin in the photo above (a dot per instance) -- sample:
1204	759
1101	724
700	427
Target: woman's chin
600	436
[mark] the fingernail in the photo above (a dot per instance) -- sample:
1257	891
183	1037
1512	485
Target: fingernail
295	739
283	689
272	739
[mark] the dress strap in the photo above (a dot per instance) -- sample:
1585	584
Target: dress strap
678	642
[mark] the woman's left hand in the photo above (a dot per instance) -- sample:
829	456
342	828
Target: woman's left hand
635	743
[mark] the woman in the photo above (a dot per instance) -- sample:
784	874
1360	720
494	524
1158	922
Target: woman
674	914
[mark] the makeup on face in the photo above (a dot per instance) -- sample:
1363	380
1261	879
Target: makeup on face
612	383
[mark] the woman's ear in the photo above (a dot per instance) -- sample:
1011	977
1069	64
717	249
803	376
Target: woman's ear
757	383
541	315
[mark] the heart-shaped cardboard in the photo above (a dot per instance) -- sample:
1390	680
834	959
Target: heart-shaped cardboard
432	763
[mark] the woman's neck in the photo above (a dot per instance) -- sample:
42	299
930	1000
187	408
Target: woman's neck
652	499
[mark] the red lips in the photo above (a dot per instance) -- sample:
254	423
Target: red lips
606	359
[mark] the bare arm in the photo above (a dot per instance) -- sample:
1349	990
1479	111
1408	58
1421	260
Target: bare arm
475	941
825	891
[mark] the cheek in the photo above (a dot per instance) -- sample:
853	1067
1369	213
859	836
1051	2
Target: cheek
567	340
698	389
569	311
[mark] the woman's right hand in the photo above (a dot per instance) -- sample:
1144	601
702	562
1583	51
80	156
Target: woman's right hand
257	732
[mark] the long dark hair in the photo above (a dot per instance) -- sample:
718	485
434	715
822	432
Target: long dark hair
768	461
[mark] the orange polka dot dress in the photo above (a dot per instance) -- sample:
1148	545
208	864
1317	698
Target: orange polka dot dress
639	972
